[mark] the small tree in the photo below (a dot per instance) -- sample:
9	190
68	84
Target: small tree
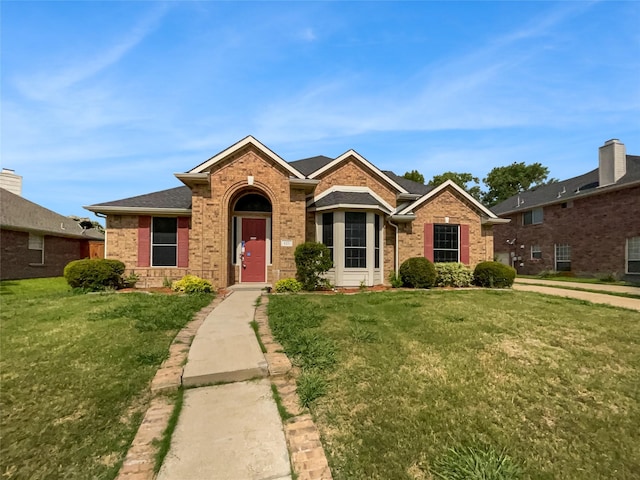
312	260
462	180
415	176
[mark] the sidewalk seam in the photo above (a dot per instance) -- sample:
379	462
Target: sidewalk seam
139	462
306	453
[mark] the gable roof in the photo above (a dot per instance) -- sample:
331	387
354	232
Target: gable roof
576	187
18	213
365	162
173	200
349	197
448	184
248	140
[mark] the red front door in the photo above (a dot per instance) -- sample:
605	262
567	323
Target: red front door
254	234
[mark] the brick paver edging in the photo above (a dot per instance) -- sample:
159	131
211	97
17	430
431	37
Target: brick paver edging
303	439
139	462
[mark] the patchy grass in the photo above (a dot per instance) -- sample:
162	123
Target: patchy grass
535	386
75	371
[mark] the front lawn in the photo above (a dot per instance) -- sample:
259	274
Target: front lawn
551	384
75	372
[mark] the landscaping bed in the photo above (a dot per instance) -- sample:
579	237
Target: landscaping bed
415	384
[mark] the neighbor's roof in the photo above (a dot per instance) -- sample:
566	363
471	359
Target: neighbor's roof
18	213
307	166
571	189
409	185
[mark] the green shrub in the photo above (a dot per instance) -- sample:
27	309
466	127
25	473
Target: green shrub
418	272
93	274
395	280
494	275
192	284
312	260
453	275
288	285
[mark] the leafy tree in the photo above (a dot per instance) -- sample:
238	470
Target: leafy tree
504	182
86	223
462	180
414	175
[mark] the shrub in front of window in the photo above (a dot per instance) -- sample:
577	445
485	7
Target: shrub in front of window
192	284
288	285
312	260
94	274
418	272
494	275
453	274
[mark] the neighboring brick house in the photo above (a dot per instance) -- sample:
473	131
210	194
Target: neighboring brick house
36	242
243	212
588	225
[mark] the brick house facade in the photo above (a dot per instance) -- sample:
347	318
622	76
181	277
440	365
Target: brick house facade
37	243
587	225
242	213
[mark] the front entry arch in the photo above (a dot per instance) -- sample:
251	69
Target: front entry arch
251	236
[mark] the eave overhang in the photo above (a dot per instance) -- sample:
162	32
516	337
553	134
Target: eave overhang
192	179
110	210
494	221
405	218
306	184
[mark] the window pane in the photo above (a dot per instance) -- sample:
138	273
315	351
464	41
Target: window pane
165	231
327	231
355	257
445	256
563	258
376	236
633	246
445	236
36	242
355	229
634	266
164	256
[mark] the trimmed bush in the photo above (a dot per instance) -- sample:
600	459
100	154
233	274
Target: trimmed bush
494	275
418	272
94	274
312	260
453	275
192	284
288	285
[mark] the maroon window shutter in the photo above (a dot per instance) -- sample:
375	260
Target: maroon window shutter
464	244
428	241
183	242
144	241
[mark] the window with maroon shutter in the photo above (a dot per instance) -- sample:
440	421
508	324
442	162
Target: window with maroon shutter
144	241
164	242
446	243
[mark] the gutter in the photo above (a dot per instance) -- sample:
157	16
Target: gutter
109	210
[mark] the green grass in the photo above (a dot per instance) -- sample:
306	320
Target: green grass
518	384
75	371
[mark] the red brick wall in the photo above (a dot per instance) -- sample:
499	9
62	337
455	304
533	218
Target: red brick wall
58	251
596	227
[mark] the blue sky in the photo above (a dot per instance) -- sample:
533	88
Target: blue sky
106	100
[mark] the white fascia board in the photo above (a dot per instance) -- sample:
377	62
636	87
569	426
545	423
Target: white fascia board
350	188
109	210
349	206
441	187
364	161
239	145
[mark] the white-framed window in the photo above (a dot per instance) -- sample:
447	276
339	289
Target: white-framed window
633	255
327	231
446	243
36	249
533	217
164	242
563	258
355	240
536	252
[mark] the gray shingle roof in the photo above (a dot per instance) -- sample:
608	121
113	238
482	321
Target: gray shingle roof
409	185
566	190
307	166
18	213
348	198
179	197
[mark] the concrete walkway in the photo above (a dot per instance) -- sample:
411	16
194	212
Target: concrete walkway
233	430
604	298
585	286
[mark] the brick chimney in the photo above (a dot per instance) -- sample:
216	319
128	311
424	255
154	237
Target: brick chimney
612	162
10	181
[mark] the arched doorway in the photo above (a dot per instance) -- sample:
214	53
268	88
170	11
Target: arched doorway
251	237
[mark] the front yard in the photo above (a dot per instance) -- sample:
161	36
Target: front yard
551	383
75	372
